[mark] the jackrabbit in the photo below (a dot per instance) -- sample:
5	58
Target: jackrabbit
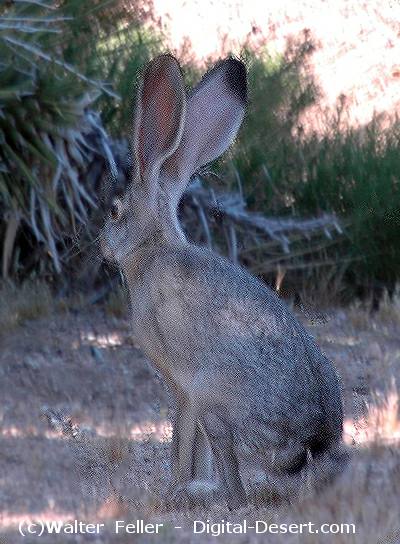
242	370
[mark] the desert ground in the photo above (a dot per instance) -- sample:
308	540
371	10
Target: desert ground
84	431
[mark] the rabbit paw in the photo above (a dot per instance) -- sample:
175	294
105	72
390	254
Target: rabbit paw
196	493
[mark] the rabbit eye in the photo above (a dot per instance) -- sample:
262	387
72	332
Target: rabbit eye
115	210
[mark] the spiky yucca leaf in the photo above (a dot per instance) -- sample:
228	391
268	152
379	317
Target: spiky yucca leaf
43	123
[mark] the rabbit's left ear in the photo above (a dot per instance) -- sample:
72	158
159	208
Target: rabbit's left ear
159	116
214	113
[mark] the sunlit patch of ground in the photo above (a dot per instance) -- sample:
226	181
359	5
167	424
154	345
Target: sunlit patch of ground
161	431
17	432
10	520
380	424
102	340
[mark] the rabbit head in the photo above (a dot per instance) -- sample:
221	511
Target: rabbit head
173	136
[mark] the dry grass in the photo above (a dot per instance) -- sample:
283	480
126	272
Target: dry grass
378	421
359	315
34	299
388	313
382	422
389	309
31	300
116	302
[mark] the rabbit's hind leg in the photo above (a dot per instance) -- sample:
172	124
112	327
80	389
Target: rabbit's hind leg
203	462
278	475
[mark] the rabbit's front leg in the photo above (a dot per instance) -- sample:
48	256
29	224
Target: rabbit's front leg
182	461
202	462
175	445
191	454
183	438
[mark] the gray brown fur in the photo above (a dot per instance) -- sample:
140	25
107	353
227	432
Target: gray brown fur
243	372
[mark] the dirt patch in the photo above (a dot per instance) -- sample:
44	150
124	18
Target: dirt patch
85	367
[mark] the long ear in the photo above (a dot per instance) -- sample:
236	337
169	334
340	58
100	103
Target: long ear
214	113
159	116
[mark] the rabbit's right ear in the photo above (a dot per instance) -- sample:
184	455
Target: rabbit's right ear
159	117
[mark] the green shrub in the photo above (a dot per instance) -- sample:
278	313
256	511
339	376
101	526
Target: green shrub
356	174
56	60
108	41
279	91
42	121
353	172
